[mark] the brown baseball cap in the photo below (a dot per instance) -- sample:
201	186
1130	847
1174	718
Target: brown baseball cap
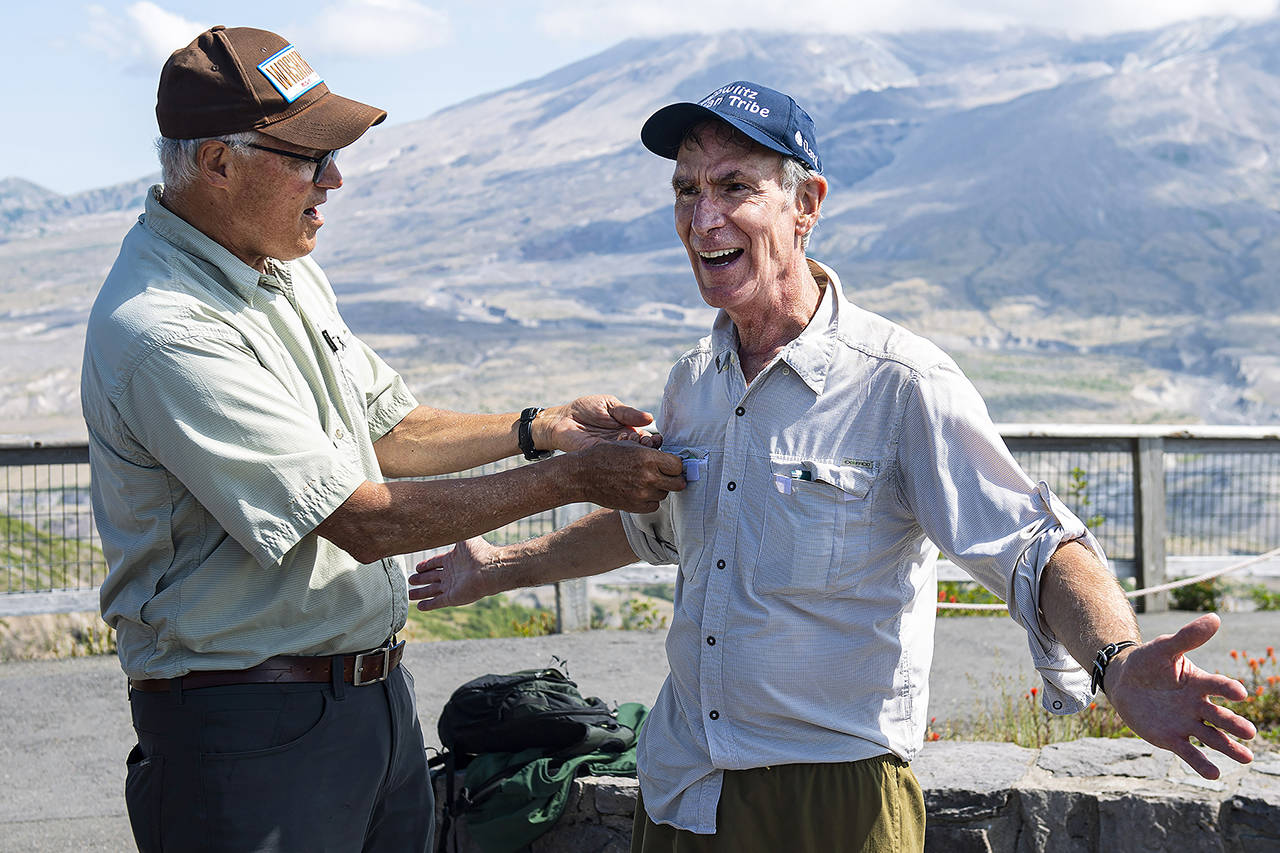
238	79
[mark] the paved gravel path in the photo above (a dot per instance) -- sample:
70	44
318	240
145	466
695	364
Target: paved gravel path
64	725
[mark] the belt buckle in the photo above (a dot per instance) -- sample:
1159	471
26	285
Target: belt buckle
356	672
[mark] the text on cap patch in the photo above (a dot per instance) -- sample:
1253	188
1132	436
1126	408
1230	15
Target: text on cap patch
290	74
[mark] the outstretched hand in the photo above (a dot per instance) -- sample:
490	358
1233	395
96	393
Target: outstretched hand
588	421
1164	698
455	577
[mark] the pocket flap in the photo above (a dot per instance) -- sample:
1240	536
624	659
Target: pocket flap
854	481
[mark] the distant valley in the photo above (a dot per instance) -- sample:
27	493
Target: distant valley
1089	225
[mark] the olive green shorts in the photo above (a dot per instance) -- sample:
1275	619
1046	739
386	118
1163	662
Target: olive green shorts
870	806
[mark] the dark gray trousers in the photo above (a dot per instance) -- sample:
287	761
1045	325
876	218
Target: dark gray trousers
280	767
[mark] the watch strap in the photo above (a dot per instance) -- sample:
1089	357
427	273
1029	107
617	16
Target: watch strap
1103	659
524	435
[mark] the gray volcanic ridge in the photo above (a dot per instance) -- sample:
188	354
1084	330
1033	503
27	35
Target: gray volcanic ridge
1088	224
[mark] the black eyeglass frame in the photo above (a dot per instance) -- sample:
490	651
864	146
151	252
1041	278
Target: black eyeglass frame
322	162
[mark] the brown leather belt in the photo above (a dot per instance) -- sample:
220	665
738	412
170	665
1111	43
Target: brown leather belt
359	669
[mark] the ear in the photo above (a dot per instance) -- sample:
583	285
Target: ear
213	161
809	198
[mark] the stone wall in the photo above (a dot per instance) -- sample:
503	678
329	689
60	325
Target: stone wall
1086	796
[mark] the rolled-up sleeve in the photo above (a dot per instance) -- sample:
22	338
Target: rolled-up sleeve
987	516
246	449
651	535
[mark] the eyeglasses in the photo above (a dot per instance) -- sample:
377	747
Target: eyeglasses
322	162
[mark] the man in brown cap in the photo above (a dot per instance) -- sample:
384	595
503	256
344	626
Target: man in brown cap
239	439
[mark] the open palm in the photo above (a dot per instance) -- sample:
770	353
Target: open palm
1165	698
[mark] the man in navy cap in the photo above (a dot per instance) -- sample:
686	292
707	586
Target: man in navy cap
829	454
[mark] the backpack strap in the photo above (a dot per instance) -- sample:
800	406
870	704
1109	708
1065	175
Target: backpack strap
447	813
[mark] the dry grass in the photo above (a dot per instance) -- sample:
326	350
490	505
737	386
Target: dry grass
50	636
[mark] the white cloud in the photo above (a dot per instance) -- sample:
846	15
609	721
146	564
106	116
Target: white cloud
142	37
585	18
376	28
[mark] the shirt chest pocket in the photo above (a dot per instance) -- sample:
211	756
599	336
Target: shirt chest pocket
815	529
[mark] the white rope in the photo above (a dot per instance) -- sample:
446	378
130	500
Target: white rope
1137	593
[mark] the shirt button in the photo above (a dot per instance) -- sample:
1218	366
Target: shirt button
786	372
732	485
739	411
719	564
711	641
715	715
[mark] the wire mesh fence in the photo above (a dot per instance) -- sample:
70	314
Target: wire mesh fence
50	541
1222	498
1222	502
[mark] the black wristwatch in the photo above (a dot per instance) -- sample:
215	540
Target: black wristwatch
1103	659
524	435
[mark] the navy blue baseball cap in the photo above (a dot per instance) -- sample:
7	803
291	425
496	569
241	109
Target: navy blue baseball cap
766	115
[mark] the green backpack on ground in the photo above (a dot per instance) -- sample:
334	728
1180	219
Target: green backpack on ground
499	728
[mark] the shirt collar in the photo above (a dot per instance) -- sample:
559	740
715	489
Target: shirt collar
809	355
239	277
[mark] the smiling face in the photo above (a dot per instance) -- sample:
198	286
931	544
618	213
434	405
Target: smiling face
742	231
275	204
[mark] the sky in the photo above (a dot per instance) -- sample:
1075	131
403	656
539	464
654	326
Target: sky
80	77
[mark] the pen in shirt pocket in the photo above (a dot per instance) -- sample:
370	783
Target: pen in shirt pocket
782	482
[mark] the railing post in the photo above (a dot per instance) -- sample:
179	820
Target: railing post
573	607
1149	521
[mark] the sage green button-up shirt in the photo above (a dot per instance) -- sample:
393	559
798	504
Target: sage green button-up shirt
229	413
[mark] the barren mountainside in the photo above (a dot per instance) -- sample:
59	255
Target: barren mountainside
1088	225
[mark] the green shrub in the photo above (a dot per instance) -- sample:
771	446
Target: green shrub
1204	596
964	592
1264	598
641	614
495	616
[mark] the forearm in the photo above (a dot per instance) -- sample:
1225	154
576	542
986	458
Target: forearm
591	545
381	519
1083	605
437	441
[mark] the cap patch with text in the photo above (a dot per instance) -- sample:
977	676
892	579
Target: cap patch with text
290	74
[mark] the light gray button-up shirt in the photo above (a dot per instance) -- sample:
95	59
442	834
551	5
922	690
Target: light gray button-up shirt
229	413
805	602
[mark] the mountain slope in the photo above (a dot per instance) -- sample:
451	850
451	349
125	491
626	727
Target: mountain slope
1087	224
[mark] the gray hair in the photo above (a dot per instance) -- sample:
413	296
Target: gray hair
178	156
795	174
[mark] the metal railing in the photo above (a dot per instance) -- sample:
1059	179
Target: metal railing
1164	501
